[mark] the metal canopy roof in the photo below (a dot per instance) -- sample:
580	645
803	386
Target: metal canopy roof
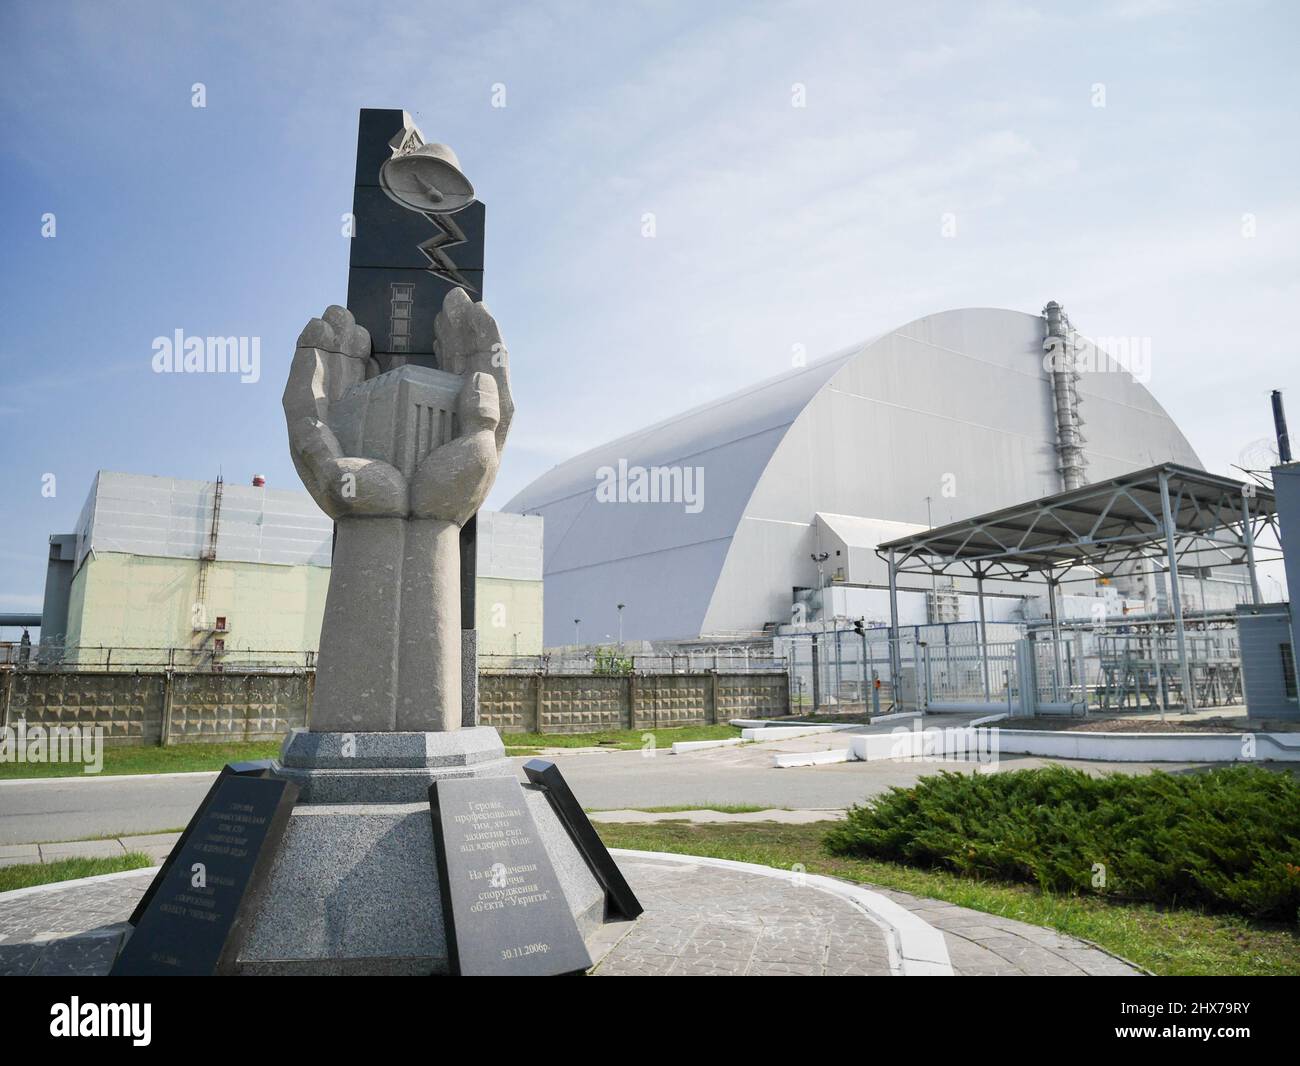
1101	527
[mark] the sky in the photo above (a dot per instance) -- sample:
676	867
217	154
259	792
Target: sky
816	173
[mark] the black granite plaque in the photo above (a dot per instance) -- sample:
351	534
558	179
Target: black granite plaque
194	922
619	897
260	768
504	909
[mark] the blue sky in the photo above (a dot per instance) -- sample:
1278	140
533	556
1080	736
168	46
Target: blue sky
775	225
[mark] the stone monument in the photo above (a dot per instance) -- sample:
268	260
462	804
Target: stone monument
400	460
401	454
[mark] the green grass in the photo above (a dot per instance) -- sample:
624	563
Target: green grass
618	739
1167	941
183	758
150	759
115	836
39	873
1227	839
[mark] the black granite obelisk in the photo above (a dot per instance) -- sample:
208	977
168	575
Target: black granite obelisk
395	289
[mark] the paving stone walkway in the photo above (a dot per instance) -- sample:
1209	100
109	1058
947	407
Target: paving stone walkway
704	921
699	920
71	929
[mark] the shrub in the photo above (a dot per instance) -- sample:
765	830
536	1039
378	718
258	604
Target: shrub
1226	839
609	662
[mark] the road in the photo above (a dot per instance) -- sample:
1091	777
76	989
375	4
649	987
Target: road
53	809
746	776
76	808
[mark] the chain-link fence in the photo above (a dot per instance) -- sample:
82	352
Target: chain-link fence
840	672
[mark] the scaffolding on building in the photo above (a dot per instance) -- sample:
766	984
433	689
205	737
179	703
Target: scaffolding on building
206	628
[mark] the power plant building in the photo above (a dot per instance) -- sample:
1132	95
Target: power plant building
238	574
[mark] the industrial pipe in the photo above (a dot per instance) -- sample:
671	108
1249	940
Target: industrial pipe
1279	424
24	620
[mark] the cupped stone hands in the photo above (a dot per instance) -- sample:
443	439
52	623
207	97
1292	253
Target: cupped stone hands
452	481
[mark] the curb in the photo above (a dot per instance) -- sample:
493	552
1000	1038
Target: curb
106	777
76	882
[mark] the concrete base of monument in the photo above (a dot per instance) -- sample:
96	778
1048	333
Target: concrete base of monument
386	767
354	891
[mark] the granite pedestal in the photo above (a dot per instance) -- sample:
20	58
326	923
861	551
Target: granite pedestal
387	767
354	886
354	891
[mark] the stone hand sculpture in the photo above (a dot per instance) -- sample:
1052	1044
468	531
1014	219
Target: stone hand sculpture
333	356
400	461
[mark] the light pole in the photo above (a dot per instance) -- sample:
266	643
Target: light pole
819	558
576	623
934	578
620	625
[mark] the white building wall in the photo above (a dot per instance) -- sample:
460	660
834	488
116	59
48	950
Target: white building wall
509	546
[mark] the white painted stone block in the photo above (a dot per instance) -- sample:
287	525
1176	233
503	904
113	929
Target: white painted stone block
680	746
781	732
810	758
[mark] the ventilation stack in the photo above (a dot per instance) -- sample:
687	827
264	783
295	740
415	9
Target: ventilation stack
1064	378
1279	426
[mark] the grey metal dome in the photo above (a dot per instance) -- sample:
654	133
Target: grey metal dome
956	406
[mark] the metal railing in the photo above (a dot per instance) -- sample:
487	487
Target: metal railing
605	661
1098	671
